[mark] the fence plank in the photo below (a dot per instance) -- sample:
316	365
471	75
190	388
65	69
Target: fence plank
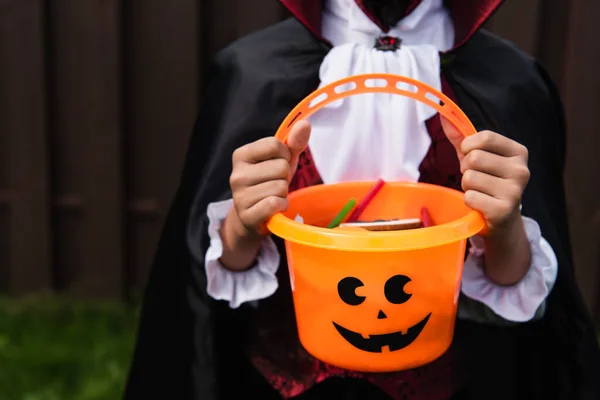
218	27
582	104
162	58
87	132
254	15
552	37
99	170
25	257
517	21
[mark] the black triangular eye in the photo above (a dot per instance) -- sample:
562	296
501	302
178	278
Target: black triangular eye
347	291
394	289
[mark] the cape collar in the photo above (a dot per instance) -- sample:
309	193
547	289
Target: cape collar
468	15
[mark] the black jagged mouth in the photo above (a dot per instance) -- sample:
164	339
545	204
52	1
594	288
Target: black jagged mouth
375	343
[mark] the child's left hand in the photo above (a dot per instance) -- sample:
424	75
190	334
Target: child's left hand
495	174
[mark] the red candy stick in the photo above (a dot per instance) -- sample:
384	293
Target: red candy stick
365	201
426	217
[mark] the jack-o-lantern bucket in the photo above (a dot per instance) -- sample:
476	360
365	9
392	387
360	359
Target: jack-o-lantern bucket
376	301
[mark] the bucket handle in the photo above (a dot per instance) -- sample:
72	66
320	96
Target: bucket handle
376	83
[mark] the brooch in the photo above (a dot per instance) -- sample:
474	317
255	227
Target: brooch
387	43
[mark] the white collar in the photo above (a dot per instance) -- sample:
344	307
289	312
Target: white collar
373	136
429	23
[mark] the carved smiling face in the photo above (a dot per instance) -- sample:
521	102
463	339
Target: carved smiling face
375	311
395	293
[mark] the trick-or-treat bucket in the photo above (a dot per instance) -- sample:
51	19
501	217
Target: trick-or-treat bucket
376	301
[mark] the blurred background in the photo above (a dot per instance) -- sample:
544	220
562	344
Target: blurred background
97	102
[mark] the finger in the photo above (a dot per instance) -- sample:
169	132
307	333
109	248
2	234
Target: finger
495	165
261	150
263	210
252	195
494	143
492	208
489	163
298	138
297	141
454	136
499	188
253	174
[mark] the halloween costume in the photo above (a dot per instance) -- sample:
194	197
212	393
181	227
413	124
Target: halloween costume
194	347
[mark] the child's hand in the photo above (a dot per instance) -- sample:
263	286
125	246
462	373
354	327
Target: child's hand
259	186
495	174
261	174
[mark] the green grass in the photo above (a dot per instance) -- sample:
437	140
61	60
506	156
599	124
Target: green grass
55	349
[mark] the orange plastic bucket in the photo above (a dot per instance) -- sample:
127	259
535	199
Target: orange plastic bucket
376	301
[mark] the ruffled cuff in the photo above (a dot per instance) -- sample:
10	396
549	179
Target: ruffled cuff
523	301
254	284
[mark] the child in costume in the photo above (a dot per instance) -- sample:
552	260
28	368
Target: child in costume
219	300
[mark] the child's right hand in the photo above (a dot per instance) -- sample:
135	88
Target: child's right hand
261	174
259	181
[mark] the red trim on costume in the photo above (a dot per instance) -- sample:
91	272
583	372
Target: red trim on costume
468	15
306	175
308	12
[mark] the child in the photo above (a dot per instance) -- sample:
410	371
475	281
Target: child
218	321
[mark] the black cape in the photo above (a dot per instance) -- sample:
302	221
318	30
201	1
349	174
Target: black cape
191	347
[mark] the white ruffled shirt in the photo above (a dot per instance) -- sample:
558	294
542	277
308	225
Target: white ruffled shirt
387	133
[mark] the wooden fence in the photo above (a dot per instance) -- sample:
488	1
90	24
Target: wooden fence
98	98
